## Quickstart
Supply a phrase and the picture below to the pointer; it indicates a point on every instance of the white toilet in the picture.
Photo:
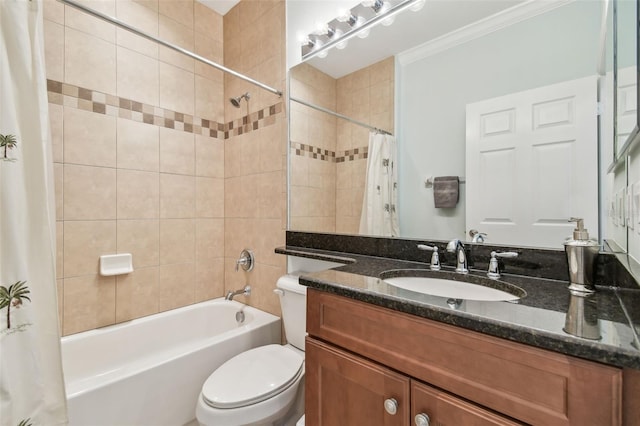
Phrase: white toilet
(260, 386)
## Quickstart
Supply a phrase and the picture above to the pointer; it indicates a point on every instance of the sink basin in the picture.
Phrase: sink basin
(447, 284)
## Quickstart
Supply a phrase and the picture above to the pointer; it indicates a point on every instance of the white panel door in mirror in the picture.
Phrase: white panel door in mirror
(518, 189)
(627, 105)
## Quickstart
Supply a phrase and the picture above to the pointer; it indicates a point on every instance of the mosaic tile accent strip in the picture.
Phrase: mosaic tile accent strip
(311, 151)
(102, 103)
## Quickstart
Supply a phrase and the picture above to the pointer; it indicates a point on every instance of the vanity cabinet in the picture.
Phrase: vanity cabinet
(360, 356)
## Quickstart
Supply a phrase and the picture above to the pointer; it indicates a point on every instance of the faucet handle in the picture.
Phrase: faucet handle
(435, 258)
(246, 260)
(494, 268)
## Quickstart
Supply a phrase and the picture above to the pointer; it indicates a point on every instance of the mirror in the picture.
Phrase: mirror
(490, 52)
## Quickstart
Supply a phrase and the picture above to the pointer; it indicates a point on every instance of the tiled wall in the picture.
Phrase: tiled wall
(328, 155)
(255, 161)
(139, 134)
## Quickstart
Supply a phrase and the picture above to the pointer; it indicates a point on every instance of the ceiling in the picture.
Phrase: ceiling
(220, 6)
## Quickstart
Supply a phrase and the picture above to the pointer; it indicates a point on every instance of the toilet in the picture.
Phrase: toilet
(260, 386)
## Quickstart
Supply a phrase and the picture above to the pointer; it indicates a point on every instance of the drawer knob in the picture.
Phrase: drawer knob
(422, 419)
(391, 406)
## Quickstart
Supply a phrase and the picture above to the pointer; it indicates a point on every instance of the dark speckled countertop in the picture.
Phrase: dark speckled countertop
(538, 319)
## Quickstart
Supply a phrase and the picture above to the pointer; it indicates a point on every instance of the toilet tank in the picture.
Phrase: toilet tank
(293, 301)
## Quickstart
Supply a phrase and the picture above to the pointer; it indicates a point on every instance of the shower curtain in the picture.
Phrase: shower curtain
(379, 216)
(31, 381)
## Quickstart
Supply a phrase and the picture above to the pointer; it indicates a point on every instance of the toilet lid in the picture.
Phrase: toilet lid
(252, 376)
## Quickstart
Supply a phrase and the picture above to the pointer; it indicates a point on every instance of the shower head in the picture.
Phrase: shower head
(236, 101)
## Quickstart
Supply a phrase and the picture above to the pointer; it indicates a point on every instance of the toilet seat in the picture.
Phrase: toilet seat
(252, 376)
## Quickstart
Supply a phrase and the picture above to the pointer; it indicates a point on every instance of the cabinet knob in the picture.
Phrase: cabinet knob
(391, 406)
(422, 419)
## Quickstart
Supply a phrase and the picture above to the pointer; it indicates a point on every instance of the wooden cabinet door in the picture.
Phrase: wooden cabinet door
(343, 390)
(443, 409)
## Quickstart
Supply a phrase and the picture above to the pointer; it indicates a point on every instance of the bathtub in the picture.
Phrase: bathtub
(149, 371)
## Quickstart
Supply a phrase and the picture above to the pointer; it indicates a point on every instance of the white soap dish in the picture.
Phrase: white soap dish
(116, 264)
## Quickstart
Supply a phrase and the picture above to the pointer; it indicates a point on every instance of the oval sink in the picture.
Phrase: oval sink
(447, 284)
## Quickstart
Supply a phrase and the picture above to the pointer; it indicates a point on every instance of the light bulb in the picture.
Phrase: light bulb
(418, 5)
(322, 54)
(342, 44)
(364, 33)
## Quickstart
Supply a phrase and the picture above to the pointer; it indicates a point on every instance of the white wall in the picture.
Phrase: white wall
(557, 46)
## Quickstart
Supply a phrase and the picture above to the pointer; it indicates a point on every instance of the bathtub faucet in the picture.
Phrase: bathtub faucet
(246, 291)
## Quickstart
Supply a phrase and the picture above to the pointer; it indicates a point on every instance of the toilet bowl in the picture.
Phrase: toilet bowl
(261, 385)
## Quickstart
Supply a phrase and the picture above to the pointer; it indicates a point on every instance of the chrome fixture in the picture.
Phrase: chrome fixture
(476, 236)
(240, 317)
(456, 246)
(246, 260)
(236, 101)
(454, 303)
(355, 22)
(422, 419)
(435, 258)
(246, 291)
(494, 268)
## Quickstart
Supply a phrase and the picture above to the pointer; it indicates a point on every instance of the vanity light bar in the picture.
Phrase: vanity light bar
(361, 18)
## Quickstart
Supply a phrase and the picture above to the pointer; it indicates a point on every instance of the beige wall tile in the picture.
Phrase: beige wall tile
(54, 50)
(208, 22)
(271, 194)
(143, 18)
(177, 196)
(209, 97)
(177, 286)
(179, 34)
(58, 172)
(177, 241)
(209, 197)
(60, 294)
(177, 152)
(209, 157)
(56, 123)
(138, 194)
(141, 238)
(179, 10)
(209, 279)
(240, 198)
(268, 235)
(137, 294)
(89, 193)
(262, 295)
(209, 239)
(138, 146)
(137, 76)
(79, 20)
(210, 49)
(89, 138)
(54, 11)
(176, 89)
(59, 249)
(89, 302)
(84, 243)
(89, 62)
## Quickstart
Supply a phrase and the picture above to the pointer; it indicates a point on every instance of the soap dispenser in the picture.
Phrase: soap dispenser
(581, 256)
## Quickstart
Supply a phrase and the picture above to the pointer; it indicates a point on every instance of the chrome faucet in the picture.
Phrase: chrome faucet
(476, 236)
(456, 246)
(435, 259)
(246, 291)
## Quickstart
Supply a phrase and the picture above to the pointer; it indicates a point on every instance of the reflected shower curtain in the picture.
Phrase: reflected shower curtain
(31, 380)
(379, 216)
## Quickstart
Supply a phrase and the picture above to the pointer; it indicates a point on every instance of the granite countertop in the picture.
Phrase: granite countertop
(537, 319)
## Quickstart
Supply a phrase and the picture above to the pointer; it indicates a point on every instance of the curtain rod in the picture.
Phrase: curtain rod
(344, 117)
(195, 56)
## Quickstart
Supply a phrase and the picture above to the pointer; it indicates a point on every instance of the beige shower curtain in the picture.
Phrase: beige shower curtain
(31, 380)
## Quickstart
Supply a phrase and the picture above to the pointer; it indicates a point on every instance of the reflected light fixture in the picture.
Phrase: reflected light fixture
(355, 22)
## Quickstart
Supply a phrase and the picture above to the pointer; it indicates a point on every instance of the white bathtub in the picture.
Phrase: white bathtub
(149, 371)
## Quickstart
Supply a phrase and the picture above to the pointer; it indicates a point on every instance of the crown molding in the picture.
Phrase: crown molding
(480, 28)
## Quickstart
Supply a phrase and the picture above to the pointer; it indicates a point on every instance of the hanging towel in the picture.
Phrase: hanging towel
(446, 191)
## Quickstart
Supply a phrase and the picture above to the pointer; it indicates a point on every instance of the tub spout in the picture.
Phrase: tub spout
(246, 291)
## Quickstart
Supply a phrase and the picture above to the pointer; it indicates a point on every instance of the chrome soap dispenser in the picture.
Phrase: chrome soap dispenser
(581, 256)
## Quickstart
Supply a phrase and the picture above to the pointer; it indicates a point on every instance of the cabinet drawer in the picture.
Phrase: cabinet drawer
(444, 409)
(529, 384)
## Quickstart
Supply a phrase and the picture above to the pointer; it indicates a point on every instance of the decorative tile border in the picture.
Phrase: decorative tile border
(311, 151)
(102, 103)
